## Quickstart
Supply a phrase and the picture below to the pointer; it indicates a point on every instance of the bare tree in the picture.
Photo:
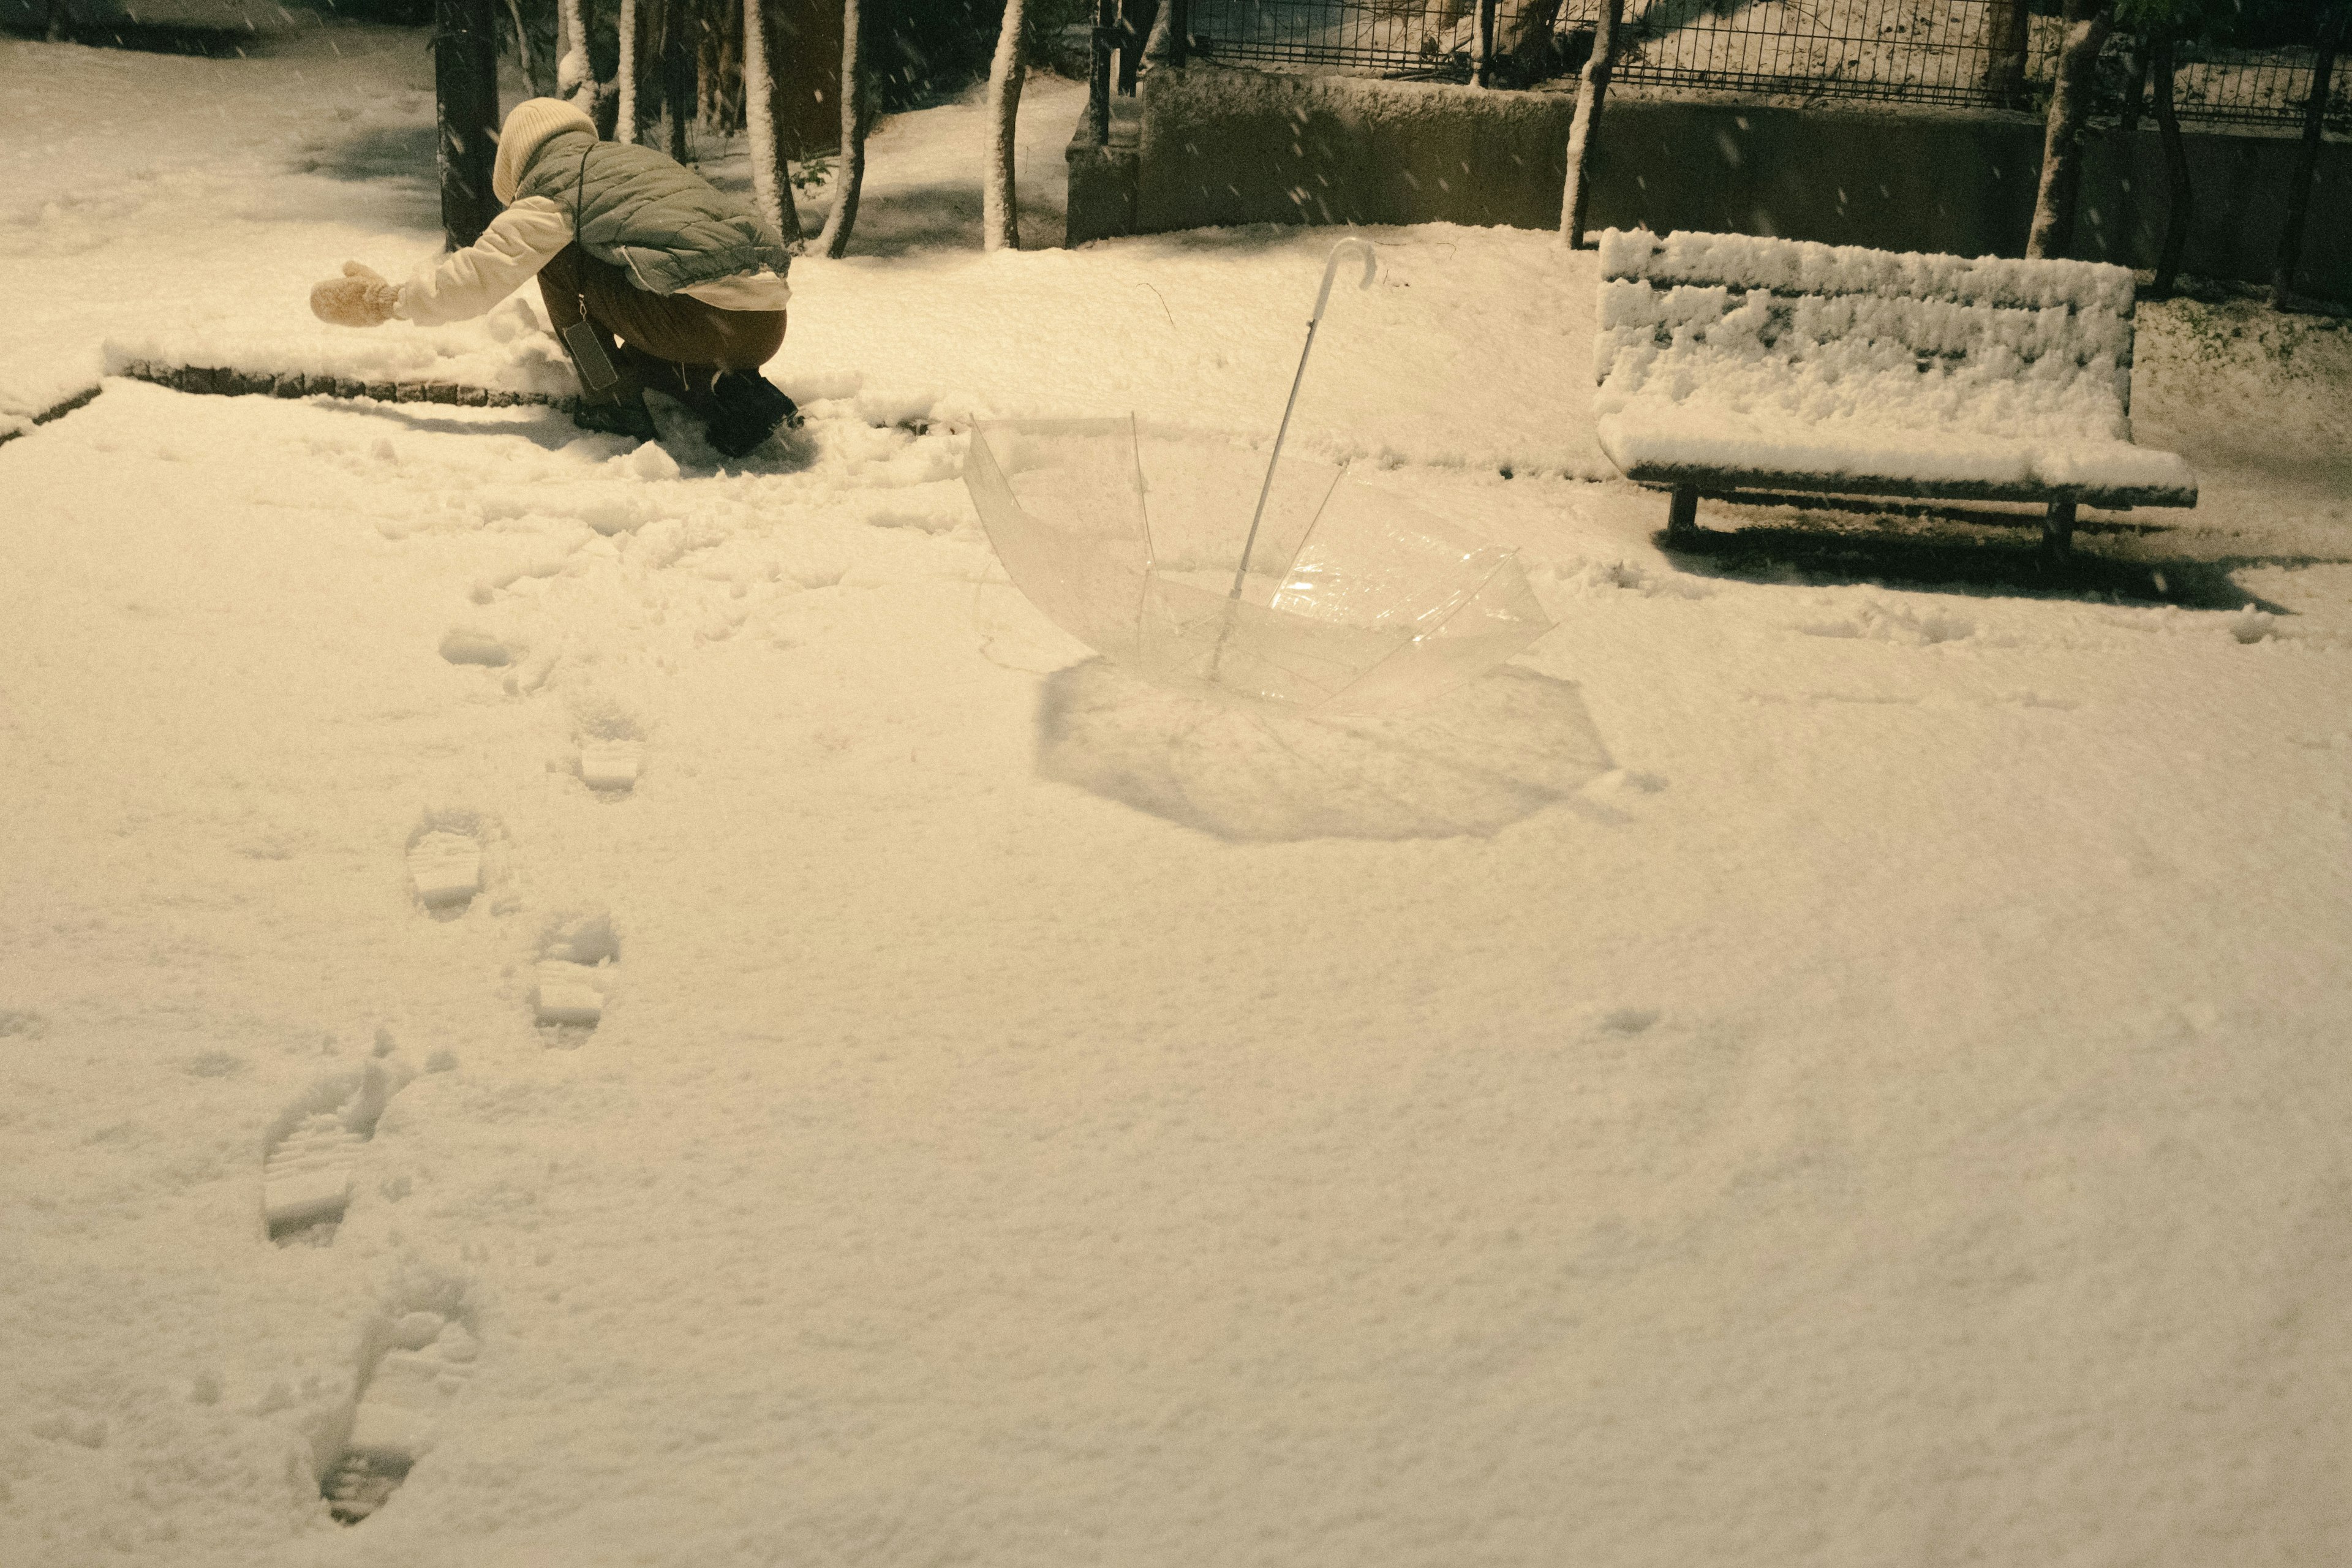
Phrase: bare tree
(2006, 31)
(856, 115)
(1590, 90)
(2315, 117)
(1522, 47)
(2087, 22)
(624, 124)
(466, 95)
(2178, 196)
(574, 79)
(674, 27)
(772, 180)
(1000, 214)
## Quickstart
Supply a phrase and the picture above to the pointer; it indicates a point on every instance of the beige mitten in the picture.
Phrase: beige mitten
(359, 298)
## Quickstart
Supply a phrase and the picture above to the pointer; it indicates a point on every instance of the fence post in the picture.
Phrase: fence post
(1590, 91)
(1483, 72)
(1179, 30)
(2306, 165)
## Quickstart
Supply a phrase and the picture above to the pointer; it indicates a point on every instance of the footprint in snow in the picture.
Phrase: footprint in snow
(610, 767)
(444, 863)
(311, 1152)
(470, 645)
(415, 1361)
(575, 977)
(612, 746)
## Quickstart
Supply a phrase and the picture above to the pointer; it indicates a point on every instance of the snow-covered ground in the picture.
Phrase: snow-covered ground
(812, 1068)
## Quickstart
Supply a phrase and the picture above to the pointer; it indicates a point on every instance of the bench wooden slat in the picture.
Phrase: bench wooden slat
(1728, 482)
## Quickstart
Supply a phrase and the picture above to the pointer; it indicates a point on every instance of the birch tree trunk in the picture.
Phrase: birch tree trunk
(849, 176)
(771, 181)
(1590, 90)
(1000, 211)
(624, 124)
(573, 80)
(2062, 153)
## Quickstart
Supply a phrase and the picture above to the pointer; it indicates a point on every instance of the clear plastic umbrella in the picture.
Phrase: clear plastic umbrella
(1328, 596)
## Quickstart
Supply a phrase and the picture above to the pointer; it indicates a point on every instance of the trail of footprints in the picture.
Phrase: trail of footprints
(417, 1355)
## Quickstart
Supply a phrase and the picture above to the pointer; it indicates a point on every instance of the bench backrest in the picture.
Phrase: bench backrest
(1675, 304)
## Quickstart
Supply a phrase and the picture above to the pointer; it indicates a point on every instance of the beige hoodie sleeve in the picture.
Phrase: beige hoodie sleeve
(518, 242)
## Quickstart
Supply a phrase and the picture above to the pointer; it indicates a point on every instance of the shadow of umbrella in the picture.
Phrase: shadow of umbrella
(1500, 750)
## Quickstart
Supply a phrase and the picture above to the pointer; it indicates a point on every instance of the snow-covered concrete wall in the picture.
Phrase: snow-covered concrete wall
(1218, 146)
(1259, 146)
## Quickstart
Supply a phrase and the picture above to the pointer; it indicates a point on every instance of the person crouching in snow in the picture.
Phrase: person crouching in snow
(626, 244)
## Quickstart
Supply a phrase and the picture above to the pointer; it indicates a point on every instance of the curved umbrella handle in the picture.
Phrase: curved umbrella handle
(1331, 269)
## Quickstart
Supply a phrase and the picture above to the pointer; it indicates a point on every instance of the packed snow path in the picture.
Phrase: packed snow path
(1795, 1068)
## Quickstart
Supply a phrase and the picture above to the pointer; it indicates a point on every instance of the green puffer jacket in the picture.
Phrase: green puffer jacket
(666, 224)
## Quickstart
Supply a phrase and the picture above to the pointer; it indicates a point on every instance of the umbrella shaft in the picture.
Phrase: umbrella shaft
(1242, 572)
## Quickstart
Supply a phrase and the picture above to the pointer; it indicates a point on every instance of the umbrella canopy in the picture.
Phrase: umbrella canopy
(1330, 595)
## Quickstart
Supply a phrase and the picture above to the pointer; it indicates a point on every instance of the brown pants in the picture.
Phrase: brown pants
(675, 342)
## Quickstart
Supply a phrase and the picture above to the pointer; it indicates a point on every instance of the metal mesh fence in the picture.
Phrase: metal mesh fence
(1961, 53)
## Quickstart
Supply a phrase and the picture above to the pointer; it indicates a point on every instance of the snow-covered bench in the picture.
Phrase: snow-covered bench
(1729, 362)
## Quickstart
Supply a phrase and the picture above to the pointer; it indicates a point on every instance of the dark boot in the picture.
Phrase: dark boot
(625, 414)
(750, 408)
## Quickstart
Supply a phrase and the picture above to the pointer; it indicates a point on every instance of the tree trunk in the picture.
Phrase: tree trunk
(677, 77)
(1523, 43)
(1136, 20)
(624, 123)
(574, 81)
(1591, 89)
(2136, 86)
(522, 45)
(2062, 153)
(2007, 26)
(999, 209)
(856, 114)
(2299, 196)
(2178, 194)
(772, 180)
(466, 93)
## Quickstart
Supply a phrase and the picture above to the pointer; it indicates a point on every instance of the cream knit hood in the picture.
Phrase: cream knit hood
(533, 122)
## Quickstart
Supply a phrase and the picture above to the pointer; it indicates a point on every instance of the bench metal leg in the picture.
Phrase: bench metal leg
(2058, 532)
(1681, 513)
